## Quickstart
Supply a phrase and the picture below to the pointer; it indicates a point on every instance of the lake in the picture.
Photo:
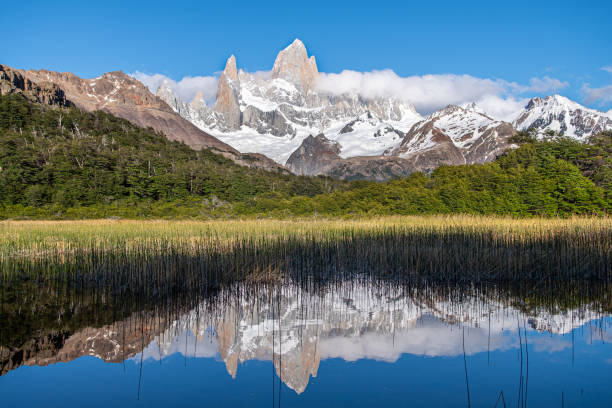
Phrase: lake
(361, 341)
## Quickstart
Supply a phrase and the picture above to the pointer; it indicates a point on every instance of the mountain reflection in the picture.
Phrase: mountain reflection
(296, 327)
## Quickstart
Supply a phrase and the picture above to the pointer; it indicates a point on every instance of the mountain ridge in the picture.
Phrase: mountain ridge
(274, 114)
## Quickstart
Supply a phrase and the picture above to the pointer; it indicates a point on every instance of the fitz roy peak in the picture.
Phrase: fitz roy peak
(284, 115)
(293, 65)
(273, 113)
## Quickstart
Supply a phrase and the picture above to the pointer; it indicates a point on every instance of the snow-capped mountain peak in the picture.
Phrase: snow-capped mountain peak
(472, 106)
(561, 115)
(468, 133)
(231, 69)
(272, 113)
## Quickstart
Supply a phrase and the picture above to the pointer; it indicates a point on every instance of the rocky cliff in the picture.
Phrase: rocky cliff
(13, 81)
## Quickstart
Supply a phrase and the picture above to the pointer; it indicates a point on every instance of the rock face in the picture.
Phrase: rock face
(227, 103)
(316, 155)
(293, 65)
(561, 115)
(12, 81)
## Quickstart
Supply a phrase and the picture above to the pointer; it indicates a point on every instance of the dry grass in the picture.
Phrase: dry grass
(457, 247)
(30, 237)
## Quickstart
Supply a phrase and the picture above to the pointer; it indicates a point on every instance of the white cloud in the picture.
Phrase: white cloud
(427, 92)
(500, 98)
(501, 108)
(185, 89)
(601, 95)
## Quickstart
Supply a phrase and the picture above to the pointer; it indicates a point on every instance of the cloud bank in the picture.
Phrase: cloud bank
(428, 93)
(499, 98)
(185, 89)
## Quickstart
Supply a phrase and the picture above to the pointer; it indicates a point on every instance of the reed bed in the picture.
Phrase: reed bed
(439, 248)
(29, 238)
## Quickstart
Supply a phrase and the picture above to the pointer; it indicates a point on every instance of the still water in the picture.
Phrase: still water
(351, 343)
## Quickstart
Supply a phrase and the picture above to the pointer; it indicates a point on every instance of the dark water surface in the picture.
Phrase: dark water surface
(359, 342)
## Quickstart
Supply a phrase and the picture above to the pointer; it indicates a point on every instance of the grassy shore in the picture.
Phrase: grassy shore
(23, 236)
(448, 248)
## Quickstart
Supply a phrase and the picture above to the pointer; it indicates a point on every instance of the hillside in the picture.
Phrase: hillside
(124, 97)
(65, 157)
(61, 162)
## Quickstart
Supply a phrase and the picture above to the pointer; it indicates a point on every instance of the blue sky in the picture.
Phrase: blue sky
(567, 41)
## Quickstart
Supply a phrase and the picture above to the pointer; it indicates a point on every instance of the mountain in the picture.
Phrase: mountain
(464, 132)
(284, 115)
(559, 114)
(283, 118)
(273, 113)
(124, 97)
(454, 135)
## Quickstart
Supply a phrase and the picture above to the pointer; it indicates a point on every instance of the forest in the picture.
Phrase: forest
(61, 163)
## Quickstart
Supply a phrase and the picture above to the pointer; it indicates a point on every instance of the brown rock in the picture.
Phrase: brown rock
(13, 81)
(228, 97)
(293, 65)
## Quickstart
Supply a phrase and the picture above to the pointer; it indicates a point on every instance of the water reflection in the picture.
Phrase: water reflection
(297, 327)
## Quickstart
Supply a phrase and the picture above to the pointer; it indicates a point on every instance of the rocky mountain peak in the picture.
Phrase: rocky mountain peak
(228, 96)
(553, 101)
(473, 107)
(198, 101)
(314, 154)
(231, 71)
(447, 110)
(294, 65)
